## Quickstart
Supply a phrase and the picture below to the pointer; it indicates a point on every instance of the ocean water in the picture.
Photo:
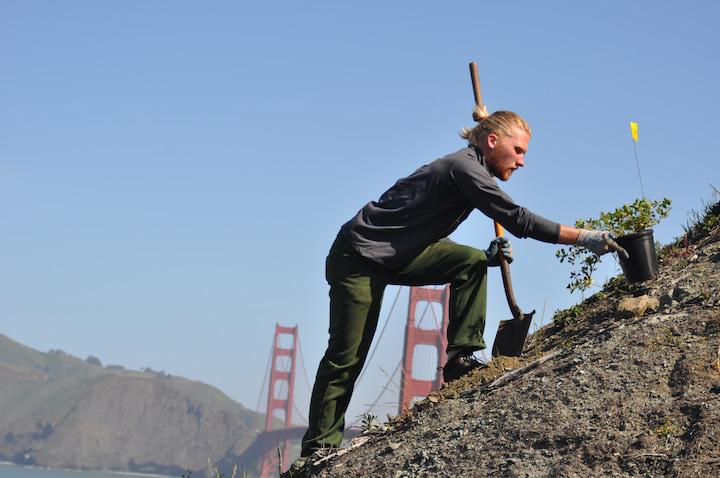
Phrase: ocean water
(12, 471)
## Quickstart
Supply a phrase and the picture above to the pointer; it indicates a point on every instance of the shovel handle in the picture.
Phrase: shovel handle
(507, 280)
(504, 267)
(499, 231)
(476, 84)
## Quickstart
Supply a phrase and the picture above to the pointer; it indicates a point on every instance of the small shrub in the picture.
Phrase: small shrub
(627, 219)
(370, 423)
(667, 429)
(701, 223)
(630, 218)
(564, 318)
(585, 263)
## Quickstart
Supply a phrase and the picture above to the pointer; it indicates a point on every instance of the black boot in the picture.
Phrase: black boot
(459, 365)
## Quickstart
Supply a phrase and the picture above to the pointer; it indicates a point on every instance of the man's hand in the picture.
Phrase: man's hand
(497, 246)
(599, 242)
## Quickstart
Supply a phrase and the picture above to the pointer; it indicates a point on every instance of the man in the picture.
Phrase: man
(402, 239)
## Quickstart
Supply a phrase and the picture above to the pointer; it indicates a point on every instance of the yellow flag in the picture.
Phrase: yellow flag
(633, 130)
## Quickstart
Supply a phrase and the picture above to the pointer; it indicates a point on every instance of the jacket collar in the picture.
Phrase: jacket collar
(475, 153)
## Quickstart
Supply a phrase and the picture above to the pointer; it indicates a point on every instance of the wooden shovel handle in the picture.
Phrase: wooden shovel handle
(507, 280)
(504, 267)
(476, 84)
(498, 229)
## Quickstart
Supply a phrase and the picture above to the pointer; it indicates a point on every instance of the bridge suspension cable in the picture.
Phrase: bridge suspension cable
(382, 392)
(302, 417)
(262, 387)
(377, 343)
(424, 363)
(302, 362)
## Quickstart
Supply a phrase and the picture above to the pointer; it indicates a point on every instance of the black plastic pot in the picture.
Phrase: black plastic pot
(642, 264)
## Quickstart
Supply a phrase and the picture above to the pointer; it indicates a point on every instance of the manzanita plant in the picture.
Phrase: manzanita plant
(627, 219)
(630, 218)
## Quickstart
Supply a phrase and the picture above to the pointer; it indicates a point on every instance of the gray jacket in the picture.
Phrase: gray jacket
(431, 203)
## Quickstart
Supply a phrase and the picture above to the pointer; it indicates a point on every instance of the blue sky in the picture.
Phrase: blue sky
(172, 173)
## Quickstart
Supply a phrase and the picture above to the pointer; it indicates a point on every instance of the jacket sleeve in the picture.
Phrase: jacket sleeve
(478, 187)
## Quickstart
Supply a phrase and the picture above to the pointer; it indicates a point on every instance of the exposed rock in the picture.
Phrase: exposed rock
(636, 306)
(665, 300)
(679, 294)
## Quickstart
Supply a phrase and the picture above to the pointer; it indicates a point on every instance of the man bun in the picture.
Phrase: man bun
(480, 113)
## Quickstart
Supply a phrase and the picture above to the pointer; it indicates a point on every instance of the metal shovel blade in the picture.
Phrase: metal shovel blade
(511, 335)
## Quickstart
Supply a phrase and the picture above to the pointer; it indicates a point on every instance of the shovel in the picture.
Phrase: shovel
(511, 334)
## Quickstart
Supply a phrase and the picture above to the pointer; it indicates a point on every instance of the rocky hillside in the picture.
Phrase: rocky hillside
(625, 384)
(62, 412)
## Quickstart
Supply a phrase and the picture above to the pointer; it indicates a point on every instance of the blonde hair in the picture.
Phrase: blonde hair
(500, 122)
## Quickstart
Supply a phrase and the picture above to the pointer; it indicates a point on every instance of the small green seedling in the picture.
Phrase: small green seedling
(627, 219)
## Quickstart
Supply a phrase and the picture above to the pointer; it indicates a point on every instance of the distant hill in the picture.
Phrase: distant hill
(59, 411)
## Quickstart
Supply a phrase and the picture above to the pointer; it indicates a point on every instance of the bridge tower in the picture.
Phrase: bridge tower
(280, 377)
(414, 336)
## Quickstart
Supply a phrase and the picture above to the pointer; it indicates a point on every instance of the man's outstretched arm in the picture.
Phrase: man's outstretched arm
(598, 242)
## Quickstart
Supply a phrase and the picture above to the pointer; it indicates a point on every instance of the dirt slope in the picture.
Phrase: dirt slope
(619, 394)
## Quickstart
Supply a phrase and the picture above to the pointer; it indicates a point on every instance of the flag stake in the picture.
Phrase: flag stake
(634, 134)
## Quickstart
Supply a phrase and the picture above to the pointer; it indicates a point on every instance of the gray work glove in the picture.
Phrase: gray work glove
(498, 245)
(599, 242)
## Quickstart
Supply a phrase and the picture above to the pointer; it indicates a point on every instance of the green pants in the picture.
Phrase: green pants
(356, 291)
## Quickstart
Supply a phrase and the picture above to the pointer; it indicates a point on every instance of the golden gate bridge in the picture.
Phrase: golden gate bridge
(423, 337)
